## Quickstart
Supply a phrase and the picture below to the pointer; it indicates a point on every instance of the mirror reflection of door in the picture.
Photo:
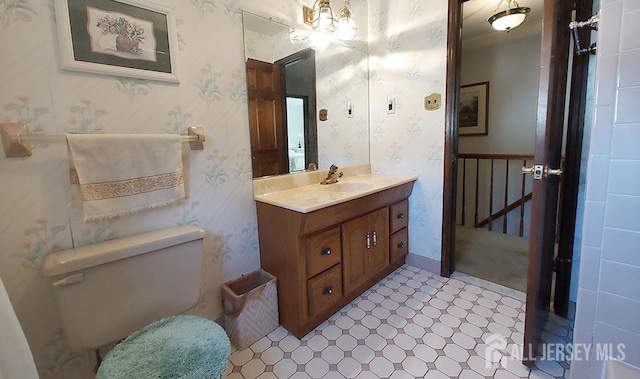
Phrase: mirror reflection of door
(265, 118)
(272, 90)
(298, 73)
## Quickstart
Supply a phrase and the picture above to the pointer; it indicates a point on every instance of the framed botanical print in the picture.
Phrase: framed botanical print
(132, 38)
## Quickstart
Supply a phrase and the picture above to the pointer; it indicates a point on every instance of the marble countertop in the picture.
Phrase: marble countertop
(308, 198)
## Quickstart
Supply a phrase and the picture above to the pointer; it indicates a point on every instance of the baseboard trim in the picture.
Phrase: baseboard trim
(423, 262)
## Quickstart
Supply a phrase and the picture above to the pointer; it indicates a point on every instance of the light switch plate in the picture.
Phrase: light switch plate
(432, 101)
(349, 110)
(391, 105)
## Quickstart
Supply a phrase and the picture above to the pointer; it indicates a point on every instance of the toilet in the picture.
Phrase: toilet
(131, 287)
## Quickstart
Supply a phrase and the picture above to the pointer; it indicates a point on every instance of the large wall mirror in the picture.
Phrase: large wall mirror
(289, 86)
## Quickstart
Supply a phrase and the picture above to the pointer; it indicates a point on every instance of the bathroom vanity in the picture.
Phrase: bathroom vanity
(327, 244)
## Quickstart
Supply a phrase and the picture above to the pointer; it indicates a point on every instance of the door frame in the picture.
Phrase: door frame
(452, 98)
(311, 124)
(574, 144)
(574, 139)
(573, 157)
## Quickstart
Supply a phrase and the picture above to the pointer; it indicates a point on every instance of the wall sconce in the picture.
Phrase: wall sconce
(510, 18)
(326, 26)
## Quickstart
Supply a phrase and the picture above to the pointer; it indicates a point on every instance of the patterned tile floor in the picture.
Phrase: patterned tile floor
(412, 324)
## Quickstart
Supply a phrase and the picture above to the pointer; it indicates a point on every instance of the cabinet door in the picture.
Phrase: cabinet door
(355, 234)
(377, 257)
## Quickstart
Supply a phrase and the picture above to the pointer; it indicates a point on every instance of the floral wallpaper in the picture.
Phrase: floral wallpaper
(40, 211)
(407, 48)
(342, 78)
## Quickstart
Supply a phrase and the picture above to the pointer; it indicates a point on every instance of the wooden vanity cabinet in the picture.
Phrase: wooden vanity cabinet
(366, 246)
(325, 258)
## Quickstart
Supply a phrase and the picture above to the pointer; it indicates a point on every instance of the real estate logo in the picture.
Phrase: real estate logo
(498, 347)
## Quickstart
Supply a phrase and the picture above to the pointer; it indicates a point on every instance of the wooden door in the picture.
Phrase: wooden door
(548, 152)
(377, 257)
(356, 237)
(268, 147)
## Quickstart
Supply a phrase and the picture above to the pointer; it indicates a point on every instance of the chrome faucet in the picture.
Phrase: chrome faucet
(333, 175)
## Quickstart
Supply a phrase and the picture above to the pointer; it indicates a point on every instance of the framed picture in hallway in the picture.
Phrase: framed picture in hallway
(473, 110)
(130, 38)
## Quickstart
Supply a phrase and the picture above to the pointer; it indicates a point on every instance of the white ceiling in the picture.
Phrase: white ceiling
(476, 12)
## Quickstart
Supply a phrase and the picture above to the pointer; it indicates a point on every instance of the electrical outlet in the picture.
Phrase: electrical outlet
(432, 101)
(391, 105)
(349, 110)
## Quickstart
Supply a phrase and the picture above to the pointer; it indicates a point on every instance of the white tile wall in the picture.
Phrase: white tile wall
(629, 73)
(624, 141)
(628, 100)
(608, 300)
(616, 278)
(590, 269)
(609, 334)
(620, 180)
(593, 222)
(630, 30)
(601, 130)
(622, 212)
(621, 246)
(607, 312)
(598, 168)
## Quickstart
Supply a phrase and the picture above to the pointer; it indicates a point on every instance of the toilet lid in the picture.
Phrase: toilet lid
(175, 347)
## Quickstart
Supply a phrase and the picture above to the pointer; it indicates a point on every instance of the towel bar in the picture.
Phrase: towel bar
(16, 139)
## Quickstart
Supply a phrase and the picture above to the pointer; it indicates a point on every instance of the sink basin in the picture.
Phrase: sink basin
(348, 186)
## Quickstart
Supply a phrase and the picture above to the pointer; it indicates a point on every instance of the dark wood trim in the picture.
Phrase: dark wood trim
(491, 196)
(281, 64)
(496, 156)
(505, 205)
(554, 57)
(452, 95)
(571, 171)
(505, 210)
(311, 131)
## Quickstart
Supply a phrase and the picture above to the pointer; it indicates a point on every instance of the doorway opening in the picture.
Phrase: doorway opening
(559, 100)
(499, 75)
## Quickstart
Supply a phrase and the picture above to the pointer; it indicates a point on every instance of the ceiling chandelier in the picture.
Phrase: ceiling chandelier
(509, 18)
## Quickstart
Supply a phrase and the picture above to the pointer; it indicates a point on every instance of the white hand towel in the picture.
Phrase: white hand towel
(125, 173)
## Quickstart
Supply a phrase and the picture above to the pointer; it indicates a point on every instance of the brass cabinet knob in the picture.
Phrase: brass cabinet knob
(401, 245)
(401, 215)
(326, 251)
(328, 290)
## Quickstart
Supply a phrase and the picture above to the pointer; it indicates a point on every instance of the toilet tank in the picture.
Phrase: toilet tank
(108, 290)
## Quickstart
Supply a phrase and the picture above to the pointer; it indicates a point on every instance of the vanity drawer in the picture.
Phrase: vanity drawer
(398, 245)
(399, 216)
(323, 251)
(324, 290)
